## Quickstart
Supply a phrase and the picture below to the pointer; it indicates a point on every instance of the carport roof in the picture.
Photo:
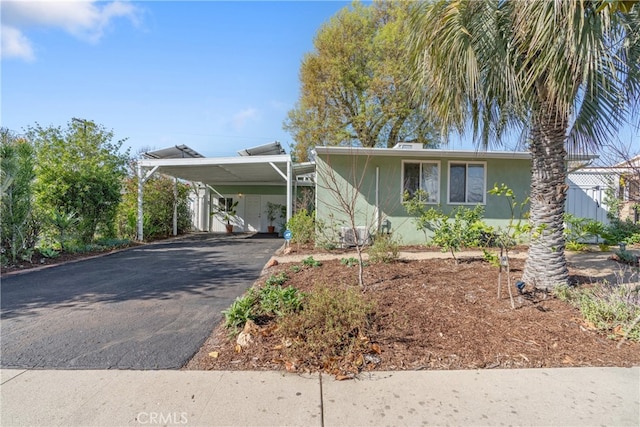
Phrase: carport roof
(175, 152)
(242, 170)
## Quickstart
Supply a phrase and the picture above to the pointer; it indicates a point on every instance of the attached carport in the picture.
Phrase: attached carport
(265, 165)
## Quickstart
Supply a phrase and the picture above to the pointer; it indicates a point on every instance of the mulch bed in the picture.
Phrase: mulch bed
(436, 314)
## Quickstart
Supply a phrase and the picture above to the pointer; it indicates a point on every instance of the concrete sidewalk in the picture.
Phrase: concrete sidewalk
(570, 396)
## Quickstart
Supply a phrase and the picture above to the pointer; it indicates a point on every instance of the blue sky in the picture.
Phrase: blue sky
(217, 76)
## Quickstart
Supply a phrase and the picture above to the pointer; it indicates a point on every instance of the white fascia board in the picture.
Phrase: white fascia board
(395, 152)
(284, 158)
(437, 153)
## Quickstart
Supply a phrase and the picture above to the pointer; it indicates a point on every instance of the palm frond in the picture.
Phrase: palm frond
(459, 54)
(492, 63)
(585, 59)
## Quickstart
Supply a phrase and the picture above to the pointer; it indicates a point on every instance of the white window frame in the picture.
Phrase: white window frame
(421, 162)
(484, 182)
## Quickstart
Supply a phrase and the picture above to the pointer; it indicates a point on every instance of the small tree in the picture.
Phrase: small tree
(464, 228)
(19, 226)
(274, 212)
(507, 237)
(226, 212)
(79, 170)
(343, 198)
(63, 224)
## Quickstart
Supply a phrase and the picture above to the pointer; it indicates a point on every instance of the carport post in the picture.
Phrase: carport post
(175, 206)
(140, 187)
(289, 198)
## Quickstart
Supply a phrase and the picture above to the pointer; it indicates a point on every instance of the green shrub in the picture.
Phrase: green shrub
(464, 228)
(574, 246)
(302, 227)
(113, 243)
(491, 257)
(329, 327)
(48, 252)
(241, 310)
(349, 262)
(276, 300)
(608, 307)
(295, 268)
(279, 279)
(158, 203)
(269, 300)
(384, 249)
(19, 224)
(65, 226)
(563, 292)
(329, 246)
(611, 307)
(90, 247)
(79, 170)
(506, 237)
(627, 257)
(633, 239)
(622, 231)
(580, 230)
(310, 262)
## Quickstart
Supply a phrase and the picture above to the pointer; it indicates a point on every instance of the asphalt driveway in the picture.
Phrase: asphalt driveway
(149, 307)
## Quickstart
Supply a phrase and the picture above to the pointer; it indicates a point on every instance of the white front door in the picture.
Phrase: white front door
(252, 213)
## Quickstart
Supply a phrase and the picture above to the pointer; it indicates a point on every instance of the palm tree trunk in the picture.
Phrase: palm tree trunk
(546, 265)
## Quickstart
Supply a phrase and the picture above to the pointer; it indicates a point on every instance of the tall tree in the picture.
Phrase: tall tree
(354, 85)
(565, 72)
(18, 223)
(79, 172)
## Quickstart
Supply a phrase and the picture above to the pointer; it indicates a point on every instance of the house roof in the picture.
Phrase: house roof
(398, 152)
(438, 153)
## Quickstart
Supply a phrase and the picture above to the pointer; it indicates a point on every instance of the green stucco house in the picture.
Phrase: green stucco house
(370, 183)
(367, 184)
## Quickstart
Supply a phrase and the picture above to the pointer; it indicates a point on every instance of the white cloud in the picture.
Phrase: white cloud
(240, 119)
(86, 20)
(15, 44)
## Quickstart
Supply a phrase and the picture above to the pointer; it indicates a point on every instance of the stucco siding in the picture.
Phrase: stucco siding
(342, 178)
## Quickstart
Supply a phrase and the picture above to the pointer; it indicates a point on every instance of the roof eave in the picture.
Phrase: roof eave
(475, 154)
(391, 152)
(284, 158)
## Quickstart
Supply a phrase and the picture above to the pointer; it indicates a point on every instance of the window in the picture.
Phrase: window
(423, 176)
(467, 183)
(225, 204)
